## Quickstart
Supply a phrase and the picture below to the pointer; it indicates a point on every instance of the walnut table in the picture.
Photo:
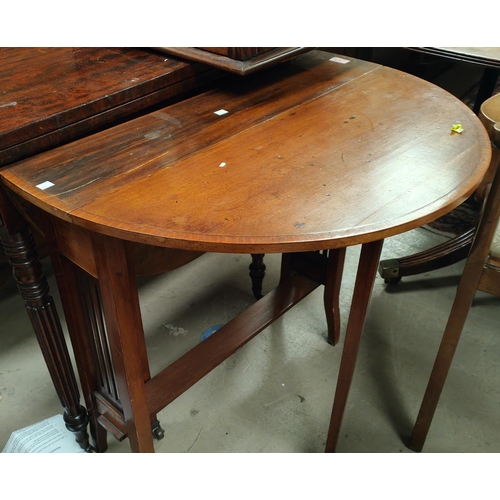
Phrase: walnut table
(327, 154)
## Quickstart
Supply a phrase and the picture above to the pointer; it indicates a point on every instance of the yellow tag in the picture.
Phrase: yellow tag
(457, 127)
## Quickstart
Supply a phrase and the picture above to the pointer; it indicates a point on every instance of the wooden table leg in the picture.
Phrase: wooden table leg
(327, 268)
(122, 315)
(19, 247)
(367, 270)
(75, 311)
(257, 274)
(331, 296)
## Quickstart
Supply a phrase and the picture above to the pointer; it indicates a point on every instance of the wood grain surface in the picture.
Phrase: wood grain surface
(312, 154)
(53, 95)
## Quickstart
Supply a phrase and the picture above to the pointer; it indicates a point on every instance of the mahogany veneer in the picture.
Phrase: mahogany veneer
(51, 96)
(457, 248)
(311, 157)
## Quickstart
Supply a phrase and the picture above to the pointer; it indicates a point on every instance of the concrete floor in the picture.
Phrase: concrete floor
(275, 394)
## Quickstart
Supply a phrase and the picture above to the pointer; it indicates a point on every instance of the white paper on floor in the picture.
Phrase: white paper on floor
(47, 436)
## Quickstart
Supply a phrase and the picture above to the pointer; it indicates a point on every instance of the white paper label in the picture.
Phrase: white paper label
(45, 185)
(339, 60)
(221, 112)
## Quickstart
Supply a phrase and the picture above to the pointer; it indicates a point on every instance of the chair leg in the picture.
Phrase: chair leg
(443, 255)
(458, 315)
(460, 309)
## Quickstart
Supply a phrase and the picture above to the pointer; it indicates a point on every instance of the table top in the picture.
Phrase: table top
(317, 153)
(483, 56)
(53, 95)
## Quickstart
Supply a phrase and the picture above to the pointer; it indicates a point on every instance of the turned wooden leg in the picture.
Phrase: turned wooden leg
(122, 315)
(367, 270)
(257, 273)
(76, 313)
(19, 247)
(331, 297)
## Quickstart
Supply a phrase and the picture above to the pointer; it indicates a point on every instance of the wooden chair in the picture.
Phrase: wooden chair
(481, 272)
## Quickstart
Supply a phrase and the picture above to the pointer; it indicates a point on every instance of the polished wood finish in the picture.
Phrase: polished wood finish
(273, 120)
(19, 246)
(239, 60)
(312, 157)
(442, 255)
(477, 275)
(183, 373)
(458, 248)
(55, 95)
(51, 96)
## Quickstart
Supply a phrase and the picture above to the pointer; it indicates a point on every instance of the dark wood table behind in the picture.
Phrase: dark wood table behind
(51, 96)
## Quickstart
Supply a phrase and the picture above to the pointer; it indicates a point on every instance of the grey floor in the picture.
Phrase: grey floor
(275, 394)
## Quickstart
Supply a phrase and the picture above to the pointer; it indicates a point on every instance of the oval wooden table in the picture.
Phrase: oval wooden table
(356, 153)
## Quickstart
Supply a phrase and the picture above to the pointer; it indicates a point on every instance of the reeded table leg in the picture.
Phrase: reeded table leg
(367, 270)
(19, 247)
(76, 313)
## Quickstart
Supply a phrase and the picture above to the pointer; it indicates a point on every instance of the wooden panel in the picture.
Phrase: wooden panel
(239, 53)
(75, 244)
(228, 62)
